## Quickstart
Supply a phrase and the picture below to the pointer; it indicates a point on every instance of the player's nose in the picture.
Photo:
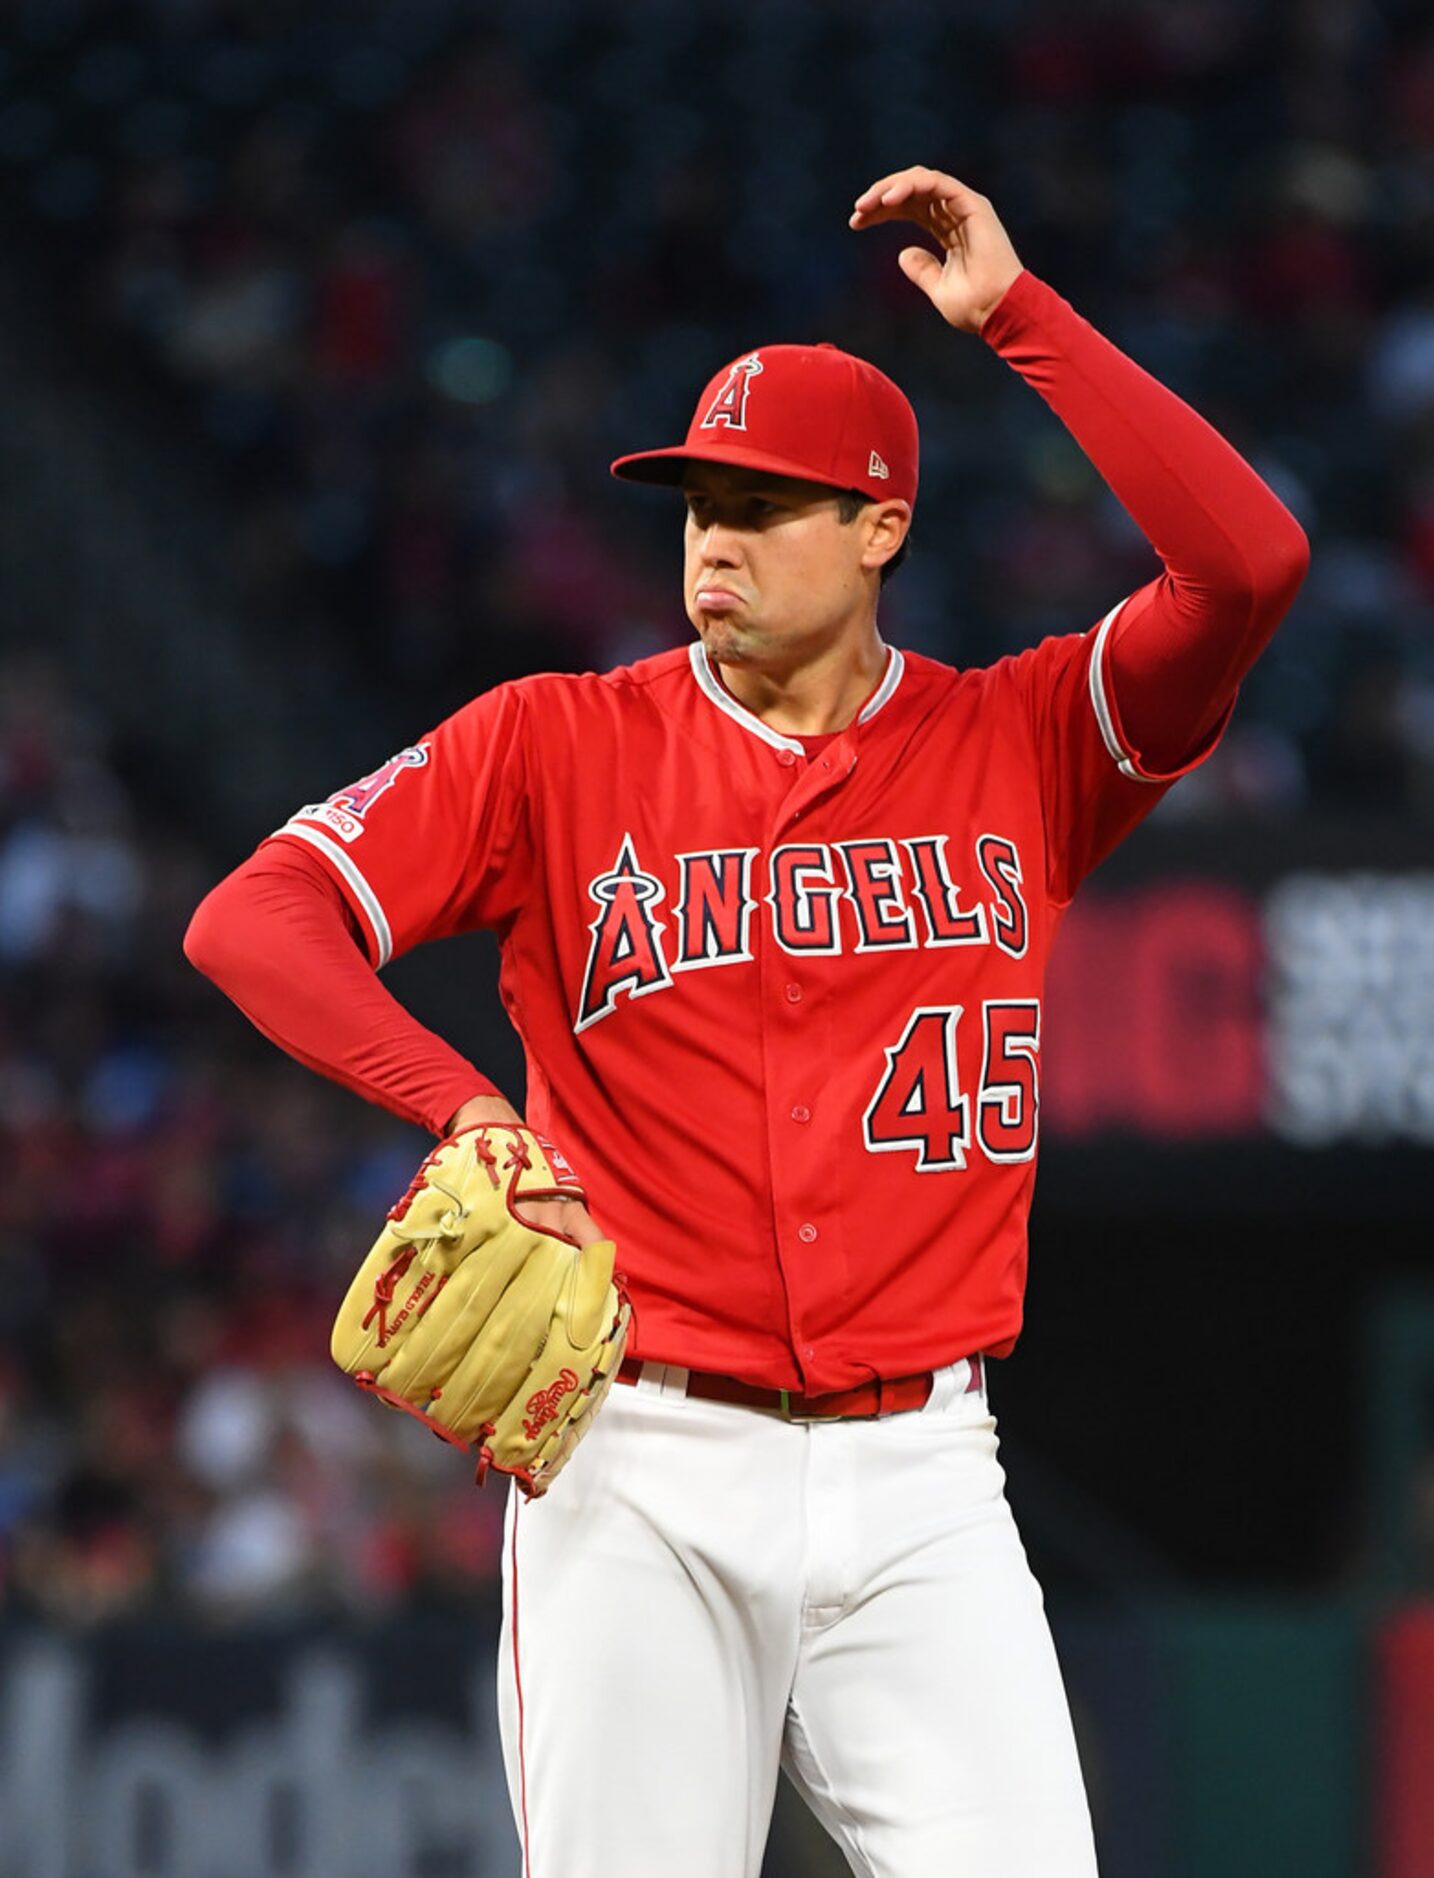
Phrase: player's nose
(718, 545)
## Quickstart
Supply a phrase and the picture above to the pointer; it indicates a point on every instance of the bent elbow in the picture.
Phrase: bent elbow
(1284, 562)
(205, 936)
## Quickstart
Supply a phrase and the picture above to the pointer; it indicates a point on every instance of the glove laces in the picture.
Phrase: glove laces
(384, 1287)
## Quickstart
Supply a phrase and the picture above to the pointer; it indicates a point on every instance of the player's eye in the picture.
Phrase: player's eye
(747, 510)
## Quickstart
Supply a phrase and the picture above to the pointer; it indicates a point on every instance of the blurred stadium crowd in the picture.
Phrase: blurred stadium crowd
(178, 1215)
(409, 276)
(419, 271)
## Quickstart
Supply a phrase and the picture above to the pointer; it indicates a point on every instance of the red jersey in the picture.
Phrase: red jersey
(784, 1012)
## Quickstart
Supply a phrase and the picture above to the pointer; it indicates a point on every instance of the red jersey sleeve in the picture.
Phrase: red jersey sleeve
(1121, 712)
(437, 840)
(279, 937)
(1094, 785)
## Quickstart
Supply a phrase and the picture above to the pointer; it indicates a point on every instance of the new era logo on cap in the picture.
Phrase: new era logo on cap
(813, 412)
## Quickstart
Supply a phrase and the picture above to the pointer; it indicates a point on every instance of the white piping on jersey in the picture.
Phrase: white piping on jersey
(363, 893)
(713, 688)
(896, 665)
(1101, 703)
(708, 681)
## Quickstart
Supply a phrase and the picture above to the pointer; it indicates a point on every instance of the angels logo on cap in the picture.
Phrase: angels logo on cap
(818, 413)
(729, 407)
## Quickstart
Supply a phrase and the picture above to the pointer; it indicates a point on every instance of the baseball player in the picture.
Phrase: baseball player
(774, 911)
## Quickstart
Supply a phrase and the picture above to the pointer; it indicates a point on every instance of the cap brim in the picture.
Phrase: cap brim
(664, 467)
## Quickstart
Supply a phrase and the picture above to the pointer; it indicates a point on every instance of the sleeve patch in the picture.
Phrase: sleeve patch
(358, 798)
(338, 821)
(342, 816)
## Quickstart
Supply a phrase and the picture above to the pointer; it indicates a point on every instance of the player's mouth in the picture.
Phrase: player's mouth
(716, 600)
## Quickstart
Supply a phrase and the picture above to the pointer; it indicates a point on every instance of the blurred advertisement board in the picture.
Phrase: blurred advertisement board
(1254, 1009)
(168, 1754)
(1192, 1007)
(1218, 1739)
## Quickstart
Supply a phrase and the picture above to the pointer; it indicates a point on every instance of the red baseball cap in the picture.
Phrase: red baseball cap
(810, 411)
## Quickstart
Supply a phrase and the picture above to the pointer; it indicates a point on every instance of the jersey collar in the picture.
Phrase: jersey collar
(712, 688)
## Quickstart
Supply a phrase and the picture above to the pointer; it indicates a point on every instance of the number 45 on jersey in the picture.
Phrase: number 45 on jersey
(919, 1106)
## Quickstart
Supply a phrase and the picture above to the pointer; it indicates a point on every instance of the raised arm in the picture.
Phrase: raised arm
(1233, 554)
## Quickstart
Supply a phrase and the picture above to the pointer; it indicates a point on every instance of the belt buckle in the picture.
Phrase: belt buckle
(806, 1421)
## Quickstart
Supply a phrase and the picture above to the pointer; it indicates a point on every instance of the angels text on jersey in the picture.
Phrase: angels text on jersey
(819, 898)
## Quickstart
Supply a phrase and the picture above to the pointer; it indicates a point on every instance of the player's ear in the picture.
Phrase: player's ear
(886, 525)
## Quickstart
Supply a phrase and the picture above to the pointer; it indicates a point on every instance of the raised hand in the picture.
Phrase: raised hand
(977, 263)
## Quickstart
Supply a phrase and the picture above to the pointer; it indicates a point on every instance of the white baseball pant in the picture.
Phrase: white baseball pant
(709, 1591)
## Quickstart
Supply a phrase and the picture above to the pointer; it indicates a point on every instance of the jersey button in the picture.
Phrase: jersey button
(807, 1233)
(801, 1113)
(786, 758)
(794, 994)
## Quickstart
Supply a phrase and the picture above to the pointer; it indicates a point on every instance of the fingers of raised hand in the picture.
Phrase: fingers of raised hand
(898, 185)
(926, 196)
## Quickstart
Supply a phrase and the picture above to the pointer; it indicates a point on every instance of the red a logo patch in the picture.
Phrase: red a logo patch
(729, 407)
(360, 797)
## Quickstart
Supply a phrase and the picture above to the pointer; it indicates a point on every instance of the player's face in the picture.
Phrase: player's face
(770, 567)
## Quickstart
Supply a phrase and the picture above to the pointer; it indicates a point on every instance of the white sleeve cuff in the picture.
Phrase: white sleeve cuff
(1124, 759)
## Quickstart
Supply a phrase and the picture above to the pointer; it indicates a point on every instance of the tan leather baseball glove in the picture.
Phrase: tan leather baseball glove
(499, 1336)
